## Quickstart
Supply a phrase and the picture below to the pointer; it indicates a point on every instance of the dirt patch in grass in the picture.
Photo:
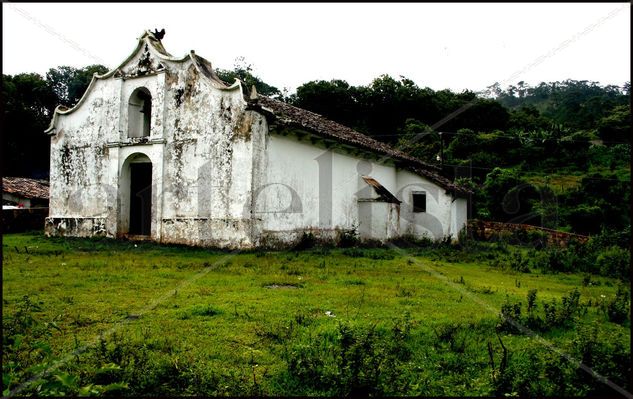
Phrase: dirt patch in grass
(281, 286)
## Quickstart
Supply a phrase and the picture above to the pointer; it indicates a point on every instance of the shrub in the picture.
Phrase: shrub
(557, 260)
(521, 376)
(570, 305)
(26, 353)
(453, 335)
(586, 219)
(608, 238)
(557, 314)
(533, 321)
(412, 241)
(605, 354)
(579, 258)
(510, 315)
(348, 238)
(535, 372)
(531, 300)
(381, 255)
(519, 263)
(553, 260)
(353, 252)
(307, 240)
(563, 314)
(618, 308)
(614, 262)
(351, 360)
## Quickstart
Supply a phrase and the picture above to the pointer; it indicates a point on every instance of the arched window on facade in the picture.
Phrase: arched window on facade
(139, 113)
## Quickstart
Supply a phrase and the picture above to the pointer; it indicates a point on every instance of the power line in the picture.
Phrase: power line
(490, 169)
(503, 135)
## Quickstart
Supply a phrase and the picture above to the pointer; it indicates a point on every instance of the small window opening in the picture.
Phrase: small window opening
(419, 201)
(139, 113)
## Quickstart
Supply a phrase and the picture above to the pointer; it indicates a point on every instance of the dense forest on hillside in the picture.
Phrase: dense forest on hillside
(556, 154)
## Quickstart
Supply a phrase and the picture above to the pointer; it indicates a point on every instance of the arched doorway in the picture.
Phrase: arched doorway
(141, 198)
(136, 195)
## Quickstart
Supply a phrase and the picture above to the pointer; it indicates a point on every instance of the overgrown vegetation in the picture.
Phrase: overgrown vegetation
(100, 317)
(557, 154)
(605, 254)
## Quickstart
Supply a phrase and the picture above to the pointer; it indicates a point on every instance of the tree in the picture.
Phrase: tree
(601, 201)
(526, 118)
(465, 143)
(506, 197)
(482, 115)
(387, 103)
(244, 72)
(70, 84)
(615, 126)
(29, 102)
(419, 140)
(334, 99)
(28, 105)
(575, 104)
(586, 219)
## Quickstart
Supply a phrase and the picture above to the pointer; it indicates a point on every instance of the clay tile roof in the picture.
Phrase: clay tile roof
(25, 187)
(287, 114)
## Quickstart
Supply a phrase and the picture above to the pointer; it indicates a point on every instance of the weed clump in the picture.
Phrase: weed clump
(307, 241)
(619, 308)
(349, 360)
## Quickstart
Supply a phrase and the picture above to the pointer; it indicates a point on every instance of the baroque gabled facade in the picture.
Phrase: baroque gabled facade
(160, 148)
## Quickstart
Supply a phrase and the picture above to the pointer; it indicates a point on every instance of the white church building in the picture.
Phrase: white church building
(160, 148)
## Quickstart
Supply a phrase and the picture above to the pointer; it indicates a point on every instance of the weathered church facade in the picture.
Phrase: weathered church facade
(160, 148)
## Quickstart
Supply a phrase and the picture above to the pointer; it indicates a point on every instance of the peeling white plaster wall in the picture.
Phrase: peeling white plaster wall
(80, 183)
(297, 164)
(436, 222)
(219, 177)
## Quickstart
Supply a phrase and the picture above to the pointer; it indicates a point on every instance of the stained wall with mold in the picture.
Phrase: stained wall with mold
(202, 146)
(219, 176)
(211, 145)
(82, 195)
(306, 187)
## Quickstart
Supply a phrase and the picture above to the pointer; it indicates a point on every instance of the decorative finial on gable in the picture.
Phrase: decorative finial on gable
(159, 35)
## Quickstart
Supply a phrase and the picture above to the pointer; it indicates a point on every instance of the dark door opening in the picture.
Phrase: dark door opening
(140, 198)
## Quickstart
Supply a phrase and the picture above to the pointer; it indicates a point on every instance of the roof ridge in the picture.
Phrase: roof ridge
(322, 125)
(357, 133)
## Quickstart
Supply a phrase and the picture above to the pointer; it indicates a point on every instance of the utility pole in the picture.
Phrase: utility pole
(441, 150)
(469, 214)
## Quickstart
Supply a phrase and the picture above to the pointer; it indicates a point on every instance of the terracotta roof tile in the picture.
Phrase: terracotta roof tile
(287, 114)
(25, 187)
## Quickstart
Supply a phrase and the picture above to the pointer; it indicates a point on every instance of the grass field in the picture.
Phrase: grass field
(177, 320)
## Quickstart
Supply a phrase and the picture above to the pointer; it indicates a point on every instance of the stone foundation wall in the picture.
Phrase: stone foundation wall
(487, 230)
(75, 227)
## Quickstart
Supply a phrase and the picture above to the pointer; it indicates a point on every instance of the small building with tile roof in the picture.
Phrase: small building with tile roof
(161, 148)
(24, 193)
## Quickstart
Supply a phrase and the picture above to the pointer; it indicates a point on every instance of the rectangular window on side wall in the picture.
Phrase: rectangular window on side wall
(418, 201)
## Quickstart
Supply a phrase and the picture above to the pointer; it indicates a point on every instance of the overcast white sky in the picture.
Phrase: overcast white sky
(455, 46)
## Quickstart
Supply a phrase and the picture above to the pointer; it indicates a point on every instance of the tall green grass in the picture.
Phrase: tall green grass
(145, 319)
